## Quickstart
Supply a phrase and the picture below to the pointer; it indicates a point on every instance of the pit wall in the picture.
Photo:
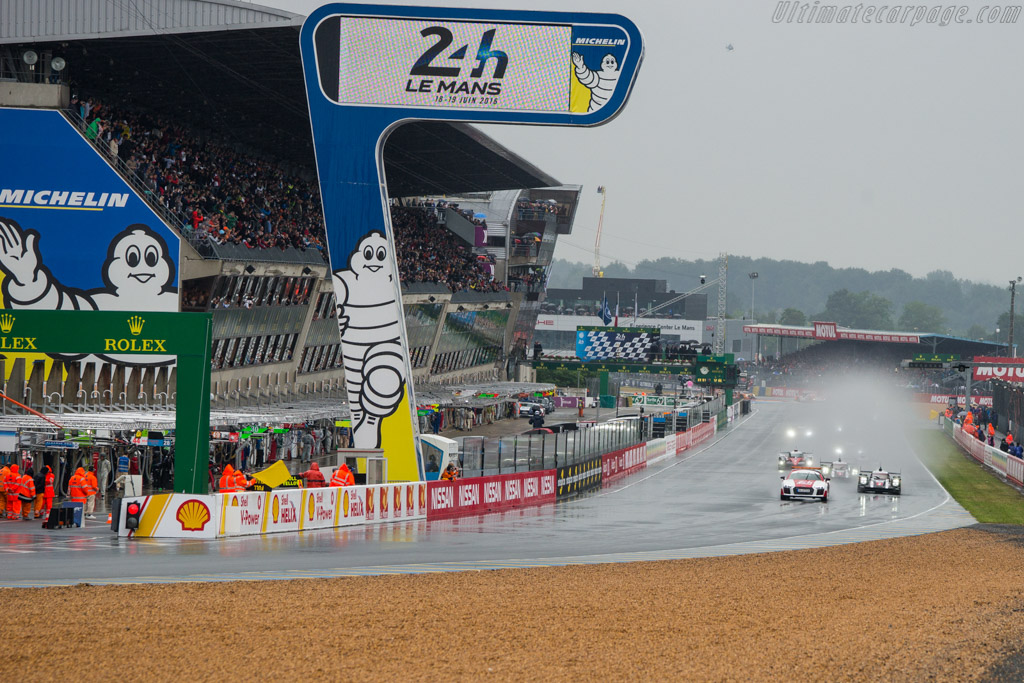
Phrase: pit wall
(482, 495)
(1004, 464)
(176, 515)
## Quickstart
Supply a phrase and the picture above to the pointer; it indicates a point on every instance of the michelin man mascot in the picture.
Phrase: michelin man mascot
(600, 83)
(137, 275)
(371, 334)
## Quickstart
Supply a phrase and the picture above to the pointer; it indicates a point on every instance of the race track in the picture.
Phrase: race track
(720, 498)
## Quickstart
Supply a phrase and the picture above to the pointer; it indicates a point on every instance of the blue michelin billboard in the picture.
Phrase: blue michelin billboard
(73, 234)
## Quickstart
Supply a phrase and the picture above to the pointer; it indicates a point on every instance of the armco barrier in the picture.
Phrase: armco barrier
(583, 476)
(263, 512)
(618, 464)
(481, 495)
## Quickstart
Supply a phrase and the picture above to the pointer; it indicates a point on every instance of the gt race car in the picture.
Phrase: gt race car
(806, 484)
(795, 458)
(880, 481)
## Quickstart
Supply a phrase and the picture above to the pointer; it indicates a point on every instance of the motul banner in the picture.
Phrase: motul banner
(944, 399)
(1009, 370)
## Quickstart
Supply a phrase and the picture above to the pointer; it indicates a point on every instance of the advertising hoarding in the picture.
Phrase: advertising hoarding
(369, 68)
(75, 236)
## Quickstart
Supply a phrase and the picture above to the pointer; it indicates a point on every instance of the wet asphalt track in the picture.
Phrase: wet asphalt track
(719, 499)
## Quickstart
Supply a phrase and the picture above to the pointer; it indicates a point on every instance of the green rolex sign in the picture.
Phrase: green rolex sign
(188, 336)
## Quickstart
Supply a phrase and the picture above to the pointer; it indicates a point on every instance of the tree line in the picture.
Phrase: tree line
(793, 293)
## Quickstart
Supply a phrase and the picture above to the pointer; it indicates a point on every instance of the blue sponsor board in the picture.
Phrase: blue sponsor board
(369, 68)
(73, 234)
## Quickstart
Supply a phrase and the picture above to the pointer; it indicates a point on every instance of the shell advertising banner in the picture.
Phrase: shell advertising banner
(326, 507)
(174, 515)
(368, 68)
(319, 507)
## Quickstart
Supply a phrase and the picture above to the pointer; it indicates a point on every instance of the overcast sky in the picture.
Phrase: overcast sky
(865, 145)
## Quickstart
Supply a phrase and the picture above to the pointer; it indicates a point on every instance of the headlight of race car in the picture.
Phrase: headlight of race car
(895, 481)
(791, 432)
(810, 461)
(863, 480)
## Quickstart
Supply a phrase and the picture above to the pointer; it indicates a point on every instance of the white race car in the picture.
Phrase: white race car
(805, 483)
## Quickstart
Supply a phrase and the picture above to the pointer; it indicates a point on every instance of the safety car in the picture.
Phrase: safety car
(879, 480)
(806, 483)
(795, 458)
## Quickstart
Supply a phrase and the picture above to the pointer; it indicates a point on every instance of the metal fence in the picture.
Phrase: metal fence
(482, 456)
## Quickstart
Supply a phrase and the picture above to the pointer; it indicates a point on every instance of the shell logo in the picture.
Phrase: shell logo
(383, 500)
(344, 504)
(423, 496)
(277, 509)
(193, 515)
(398, 499)
(408, 496)
(369, 501)
(311, 506)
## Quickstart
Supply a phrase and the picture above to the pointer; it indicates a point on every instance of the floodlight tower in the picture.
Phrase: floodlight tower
(723, 273)
(601, 190)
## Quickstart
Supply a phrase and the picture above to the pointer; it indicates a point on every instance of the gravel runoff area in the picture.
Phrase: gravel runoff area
(946, 606)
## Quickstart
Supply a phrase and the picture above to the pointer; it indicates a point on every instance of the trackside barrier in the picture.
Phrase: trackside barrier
(618, 464)
(481, 495)
(1005, 464)
(262, 512)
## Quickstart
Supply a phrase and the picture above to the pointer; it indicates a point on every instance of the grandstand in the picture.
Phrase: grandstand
(200, 106)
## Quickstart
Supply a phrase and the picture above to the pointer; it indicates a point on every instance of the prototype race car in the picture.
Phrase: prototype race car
(879, 480)
(805, 483)
(795, 458)
(837, 468)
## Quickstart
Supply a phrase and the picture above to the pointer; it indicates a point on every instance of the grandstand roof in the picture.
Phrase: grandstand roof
(60, 20)
(235, 68)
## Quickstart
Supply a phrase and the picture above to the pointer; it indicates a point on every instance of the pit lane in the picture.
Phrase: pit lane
(720, 499)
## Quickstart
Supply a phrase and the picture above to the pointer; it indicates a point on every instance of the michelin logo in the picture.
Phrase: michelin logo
(600, 41)
(12, 198)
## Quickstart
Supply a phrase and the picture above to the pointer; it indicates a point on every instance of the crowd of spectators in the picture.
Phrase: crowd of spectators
(428, 252)
(217, 192)
(531, 209)
(528, 279)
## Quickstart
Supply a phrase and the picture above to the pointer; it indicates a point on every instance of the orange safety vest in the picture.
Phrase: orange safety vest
(227, 483)
(75, 489)
(48, 491)
(240, 481)
(12, 484)
(92, 485)
(28, 488)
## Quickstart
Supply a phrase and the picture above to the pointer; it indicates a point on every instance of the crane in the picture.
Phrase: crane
(601, 190)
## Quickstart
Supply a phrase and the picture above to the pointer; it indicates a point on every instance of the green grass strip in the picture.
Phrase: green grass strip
(980, 490)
